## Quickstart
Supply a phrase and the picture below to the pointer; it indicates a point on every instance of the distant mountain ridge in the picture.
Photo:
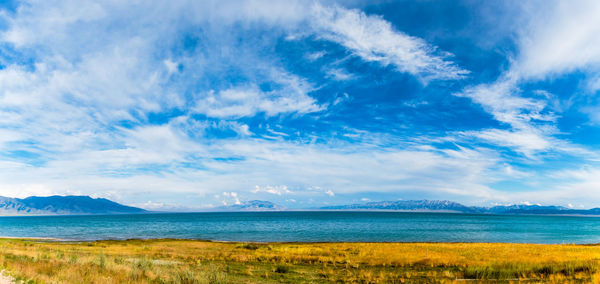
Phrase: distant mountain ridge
(85, 205)
(451, 206)
(63, 205)
(408, 205)
(252, 205)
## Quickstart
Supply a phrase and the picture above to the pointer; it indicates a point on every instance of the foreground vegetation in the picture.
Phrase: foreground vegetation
(187, 261)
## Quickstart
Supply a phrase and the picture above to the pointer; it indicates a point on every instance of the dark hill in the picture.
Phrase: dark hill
(63, 205)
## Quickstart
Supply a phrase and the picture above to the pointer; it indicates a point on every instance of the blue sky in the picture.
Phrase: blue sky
(195, 104)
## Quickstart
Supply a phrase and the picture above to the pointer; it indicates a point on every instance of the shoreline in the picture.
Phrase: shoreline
(28, 238)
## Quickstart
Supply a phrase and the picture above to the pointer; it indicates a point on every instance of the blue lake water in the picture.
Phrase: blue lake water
(311, 227)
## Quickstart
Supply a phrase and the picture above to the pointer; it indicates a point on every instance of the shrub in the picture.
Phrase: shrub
(250, 246)
(282, 269)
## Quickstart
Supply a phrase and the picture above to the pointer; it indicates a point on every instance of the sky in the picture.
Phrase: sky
(184, 105)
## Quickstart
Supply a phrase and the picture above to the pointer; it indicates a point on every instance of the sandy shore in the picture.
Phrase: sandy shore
(30, 238)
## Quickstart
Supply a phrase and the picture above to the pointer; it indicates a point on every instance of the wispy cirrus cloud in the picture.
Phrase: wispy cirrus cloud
(375, 40)
(529, 119)
(290, 96)
(545, 48)
(566, 43)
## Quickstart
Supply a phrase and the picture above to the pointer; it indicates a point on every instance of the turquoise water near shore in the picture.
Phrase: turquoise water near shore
(311, 227)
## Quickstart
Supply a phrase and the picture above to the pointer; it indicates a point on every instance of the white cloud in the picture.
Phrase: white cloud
(156, 163)
(529, 119)
(556, 39)
(561, 37)
(552, 38)
(374, 39)
(22, 190)
(340, 74)
(277, 190)
(230, 196)
(503, 101)
(528, 142)
(315, 55)
(171, 66)
(150, 205)
(250, 100)
(88, 75)
(90, 103)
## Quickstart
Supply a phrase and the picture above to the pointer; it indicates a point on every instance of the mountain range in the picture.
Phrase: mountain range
(451, 206)
(63, 205)
(408, 205)
(85, 205)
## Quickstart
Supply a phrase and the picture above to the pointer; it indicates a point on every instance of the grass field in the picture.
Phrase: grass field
(187, 261)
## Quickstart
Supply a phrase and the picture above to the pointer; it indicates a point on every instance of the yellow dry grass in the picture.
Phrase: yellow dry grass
(188, 261)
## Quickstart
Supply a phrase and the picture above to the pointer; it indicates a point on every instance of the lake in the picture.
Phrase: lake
(311, 226)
